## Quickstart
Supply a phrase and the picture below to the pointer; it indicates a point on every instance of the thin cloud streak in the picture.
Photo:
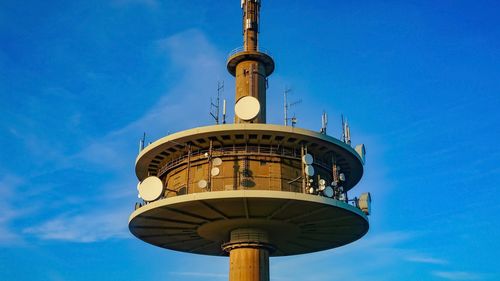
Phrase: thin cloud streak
(457, 275)
(427, 260)
(85, 228)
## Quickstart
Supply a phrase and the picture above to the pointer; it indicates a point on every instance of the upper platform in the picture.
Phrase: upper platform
(163, 153)
(240, 55)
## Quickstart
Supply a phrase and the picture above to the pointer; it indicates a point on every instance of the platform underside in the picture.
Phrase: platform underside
(296, 223)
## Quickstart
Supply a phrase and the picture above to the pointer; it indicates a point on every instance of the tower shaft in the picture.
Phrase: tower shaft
(249, 264)
(248, 255)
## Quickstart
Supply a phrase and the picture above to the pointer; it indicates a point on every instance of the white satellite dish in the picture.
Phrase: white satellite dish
(215, 171)
(328, 192)
(365, 202)
(341, 197)
(309, 170)
(217, 161)
(150, 189)
(307, 159)
(322, 184)
(202, 184)
(247, 108)
(342, 177)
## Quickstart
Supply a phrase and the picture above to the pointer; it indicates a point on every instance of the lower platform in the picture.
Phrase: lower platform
(201, 222)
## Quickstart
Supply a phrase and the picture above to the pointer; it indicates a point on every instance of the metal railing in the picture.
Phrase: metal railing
(239, 151)
(242, 49)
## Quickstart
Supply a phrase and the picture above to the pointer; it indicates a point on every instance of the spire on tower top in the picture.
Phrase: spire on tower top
(251, 11)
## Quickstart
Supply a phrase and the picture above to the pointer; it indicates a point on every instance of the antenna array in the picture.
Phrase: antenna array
(324, 122)
(287, 106)
(214, 107)
(346, 131)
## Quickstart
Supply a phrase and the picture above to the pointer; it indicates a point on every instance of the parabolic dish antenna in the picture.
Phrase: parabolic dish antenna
(217, 161)
(307, 159)
(150, 189)
(342, 177)
(328, 192)
(309, 170)
(202, 184)
(322, 184)
(247, 108)
(215, 171)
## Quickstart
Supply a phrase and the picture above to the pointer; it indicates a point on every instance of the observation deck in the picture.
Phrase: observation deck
(258, 182)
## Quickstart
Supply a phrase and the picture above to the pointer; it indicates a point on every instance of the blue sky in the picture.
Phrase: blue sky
(80, 81)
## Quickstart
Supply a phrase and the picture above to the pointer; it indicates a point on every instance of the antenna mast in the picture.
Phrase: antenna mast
(346, 131)
(287, 107)
(324, 122)
(141, 142)
(224, 111)
(285, 104)
(216, 106)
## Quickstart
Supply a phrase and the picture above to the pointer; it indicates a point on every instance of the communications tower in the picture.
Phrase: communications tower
(249, 190)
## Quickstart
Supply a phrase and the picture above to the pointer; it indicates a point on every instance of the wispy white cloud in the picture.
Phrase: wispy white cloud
(84, 228)
(457, 275)
(9, 185)
(426, 259)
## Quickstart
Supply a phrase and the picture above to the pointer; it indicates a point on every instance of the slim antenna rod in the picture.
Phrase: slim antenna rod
(285, 104)
(287, 107)
(343, 128)
(224, 111)
(324, 122)
(216, 106)
(346, 131)
(142, 141)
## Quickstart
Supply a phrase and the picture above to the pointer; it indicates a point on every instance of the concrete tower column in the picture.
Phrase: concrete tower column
(249, 251)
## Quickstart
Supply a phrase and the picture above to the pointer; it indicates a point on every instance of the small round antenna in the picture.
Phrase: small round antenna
(328, 192)
(322, 184)
(215, 171)
(307, 159)
(217, 161)
(309, 170)
(202, 184)
(342, 177)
